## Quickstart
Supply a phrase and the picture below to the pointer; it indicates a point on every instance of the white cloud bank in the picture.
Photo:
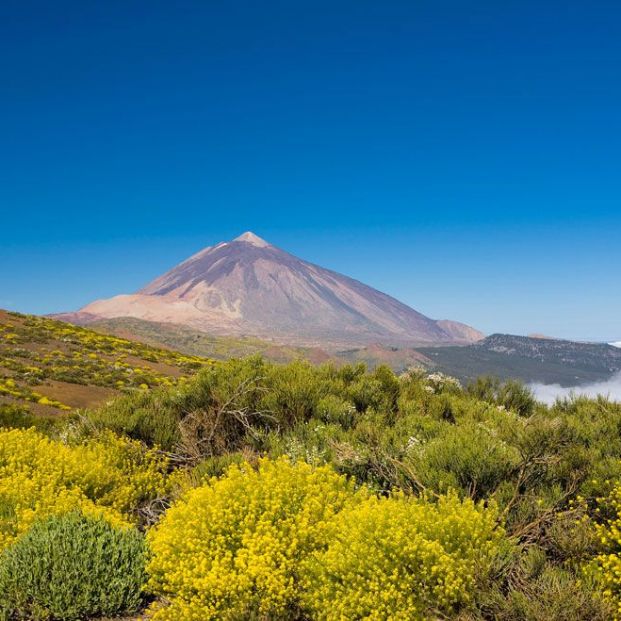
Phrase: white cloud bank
(548, 393)
(617, 344)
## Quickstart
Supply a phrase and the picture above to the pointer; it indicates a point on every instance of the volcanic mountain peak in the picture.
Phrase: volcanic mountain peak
(250, 287)
(250, 238)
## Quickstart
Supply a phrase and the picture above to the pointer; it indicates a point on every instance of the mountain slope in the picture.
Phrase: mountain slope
(47, 366)
(249, 287)
(196, 343)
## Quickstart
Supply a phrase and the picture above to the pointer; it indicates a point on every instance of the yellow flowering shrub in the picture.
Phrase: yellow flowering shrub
(606, 567)
(232, 549)
(108, 476)
(402, 558)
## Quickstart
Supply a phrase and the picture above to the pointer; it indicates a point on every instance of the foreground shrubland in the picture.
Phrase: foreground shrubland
(301, 492)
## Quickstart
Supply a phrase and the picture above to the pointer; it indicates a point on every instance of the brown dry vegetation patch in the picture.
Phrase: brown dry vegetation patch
(77, 395)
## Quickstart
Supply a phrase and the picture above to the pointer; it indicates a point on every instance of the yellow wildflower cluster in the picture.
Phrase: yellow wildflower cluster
(109, 476)
(607, 566)
(232, 548)
(291, 540)
(399, 558)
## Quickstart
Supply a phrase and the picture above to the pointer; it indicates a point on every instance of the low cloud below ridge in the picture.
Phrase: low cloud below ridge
(548, 393)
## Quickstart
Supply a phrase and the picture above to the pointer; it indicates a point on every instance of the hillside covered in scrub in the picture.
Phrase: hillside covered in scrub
(48, 367)
(297, 492)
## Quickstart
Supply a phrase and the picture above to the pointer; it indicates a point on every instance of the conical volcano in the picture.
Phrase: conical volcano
(247, 286)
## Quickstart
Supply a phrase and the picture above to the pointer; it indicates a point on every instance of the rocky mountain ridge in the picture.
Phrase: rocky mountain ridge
(543, 360)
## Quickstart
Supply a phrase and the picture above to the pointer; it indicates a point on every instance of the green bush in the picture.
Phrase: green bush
(205, 404)
(333, 409)
(540, 591)
(72, 567)
(18, 417)
(468, 457)
(412, 432)
(511, 395)
(293, 392)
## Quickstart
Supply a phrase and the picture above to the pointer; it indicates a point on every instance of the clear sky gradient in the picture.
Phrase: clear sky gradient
(464, 157)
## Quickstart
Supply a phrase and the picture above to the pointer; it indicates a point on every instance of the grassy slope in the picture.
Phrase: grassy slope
(187, 340)
(50, 367)
(193, 342)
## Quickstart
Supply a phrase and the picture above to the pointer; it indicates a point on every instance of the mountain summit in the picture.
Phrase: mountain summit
(248, 286)
(250, 238)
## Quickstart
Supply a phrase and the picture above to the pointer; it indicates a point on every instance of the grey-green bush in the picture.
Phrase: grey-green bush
(72, 567)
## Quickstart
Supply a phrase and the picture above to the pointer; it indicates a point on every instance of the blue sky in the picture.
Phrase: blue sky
(461, 156)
